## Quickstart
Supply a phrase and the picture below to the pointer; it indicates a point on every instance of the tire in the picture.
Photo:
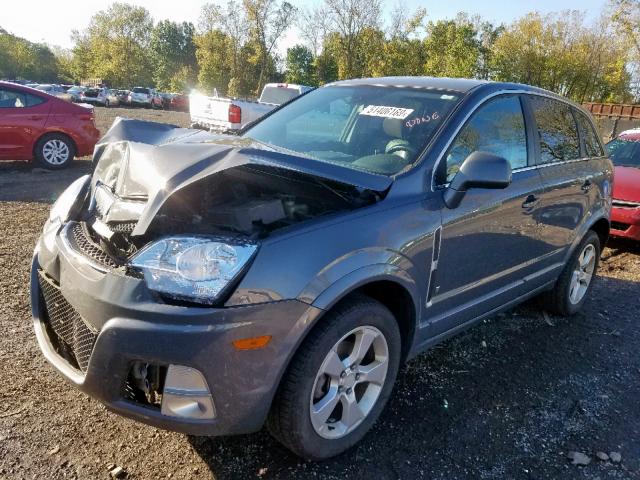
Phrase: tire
(54, 151)
(306, 385)
(106, 104)
(563, 299)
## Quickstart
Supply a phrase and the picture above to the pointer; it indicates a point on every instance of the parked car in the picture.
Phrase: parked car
(113, 97)
(145, 97)
(179, 102)
(96, 96)
(123, 97)
(285, 274)
(165, 98)
(37, 126)
(228, 115)
(51, 89)
(75, 93)
(625, 215)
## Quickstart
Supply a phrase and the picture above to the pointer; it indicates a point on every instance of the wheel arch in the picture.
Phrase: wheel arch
(601, 227)
(54, 132)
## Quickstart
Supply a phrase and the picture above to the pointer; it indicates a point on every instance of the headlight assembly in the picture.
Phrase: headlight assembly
(192, 268)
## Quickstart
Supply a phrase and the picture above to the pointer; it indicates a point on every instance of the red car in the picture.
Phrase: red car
(624, 151)
(179, 102)
(37, 126)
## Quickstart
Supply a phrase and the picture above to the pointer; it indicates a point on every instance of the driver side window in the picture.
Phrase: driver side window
(498, 128)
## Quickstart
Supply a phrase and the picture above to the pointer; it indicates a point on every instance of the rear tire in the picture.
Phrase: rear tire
(330, 370)
(575, 282)
(54, 151)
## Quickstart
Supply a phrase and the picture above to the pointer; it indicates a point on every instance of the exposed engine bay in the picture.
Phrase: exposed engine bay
(251, 201)
(154, 180)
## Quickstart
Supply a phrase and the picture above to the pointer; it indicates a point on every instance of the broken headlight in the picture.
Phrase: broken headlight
(190, 268)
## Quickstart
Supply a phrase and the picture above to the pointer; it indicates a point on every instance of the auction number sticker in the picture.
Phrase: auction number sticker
(387, 112)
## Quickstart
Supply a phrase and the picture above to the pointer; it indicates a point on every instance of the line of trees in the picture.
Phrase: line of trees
(233, 48)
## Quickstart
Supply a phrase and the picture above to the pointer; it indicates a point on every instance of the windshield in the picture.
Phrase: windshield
(625, 153)
(141, 90)
(377, 129)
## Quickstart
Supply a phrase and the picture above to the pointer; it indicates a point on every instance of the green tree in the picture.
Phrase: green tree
(452, 49)
(115, 46)
(173, 53)
(300, 66)
(212, 49)
(561, 53)
(349, 19)
(268, 20)
(20, 58)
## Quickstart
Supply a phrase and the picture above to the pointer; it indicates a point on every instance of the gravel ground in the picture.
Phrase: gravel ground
(510, 398)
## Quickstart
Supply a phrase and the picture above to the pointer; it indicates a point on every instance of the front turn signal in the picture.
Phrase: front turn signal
(252, 343)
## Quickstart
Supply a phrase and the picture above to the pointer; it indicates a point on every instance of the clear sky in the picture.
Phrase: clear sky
(51, 22)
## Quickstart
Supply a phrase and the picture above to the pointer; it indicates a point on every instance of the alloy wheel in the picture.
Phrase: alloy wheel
(583, 274)
(349, 382)
(55, 152)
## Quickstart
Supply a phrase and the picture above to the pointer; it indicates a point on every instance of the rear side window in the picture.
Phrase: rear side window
(557, 130)
(498, 128)
(278, 95)
(33, 100)
(592, 146)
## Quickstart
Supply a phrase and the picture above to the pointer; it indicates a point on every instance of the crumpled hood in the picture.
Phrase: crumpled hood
(141, 164)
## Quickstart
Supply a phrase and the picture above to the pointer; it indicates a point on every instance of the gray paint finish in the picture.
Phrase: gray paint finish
(490, 252)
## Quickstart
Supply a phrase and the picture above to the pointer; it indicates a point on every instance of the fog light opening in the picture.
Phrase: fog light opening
(145, 384)
(186, 394)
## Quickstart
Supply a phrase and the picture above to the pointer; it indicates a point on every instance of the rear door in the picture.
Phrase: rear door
(489, 243)
(22, 119)
(566, 174)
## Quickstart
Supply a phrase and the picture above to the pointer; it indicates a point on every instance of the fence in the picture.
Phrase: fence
(614, 110)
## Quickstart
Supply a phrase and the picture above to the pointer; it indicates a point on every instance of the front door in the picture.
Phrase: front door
(488, 241)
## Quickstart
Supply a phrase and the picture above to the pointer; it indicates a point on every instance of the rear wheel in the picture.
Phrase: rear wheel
(571, 289)
(54, 151)
(339, 380)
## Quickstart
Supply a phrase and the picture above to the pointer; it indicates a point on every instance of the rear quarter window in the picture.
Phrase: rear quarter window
(557, 130)
(592, 146)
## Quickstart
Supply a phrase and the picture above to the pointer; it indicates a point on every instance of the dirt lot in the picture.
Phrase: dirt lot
(508, 399)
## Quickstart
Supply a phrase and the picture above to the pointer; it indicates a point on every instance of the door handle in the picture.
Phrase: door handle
(586, 186)
(35, 117)
(530, 201)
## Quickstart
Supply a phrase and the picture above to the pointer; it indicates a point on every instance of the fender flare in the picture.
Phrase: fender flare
(363, 276)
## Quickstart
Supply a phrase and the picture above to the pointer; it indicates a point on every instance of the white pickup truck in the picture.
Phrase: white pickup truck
(228, 115)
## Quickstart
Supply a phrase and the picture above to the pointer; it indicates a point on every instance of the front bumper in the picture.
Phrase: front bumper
(625, 222)
(131, 325)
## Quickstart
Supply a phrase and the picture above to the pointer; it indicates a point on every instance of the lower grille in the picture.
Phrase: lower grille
(87, 246)
(72, 338)
(620, 226)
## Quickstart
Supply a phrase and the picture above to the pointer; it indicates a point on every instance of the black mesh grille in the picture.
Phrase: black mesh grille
(72, 337)
(123, 227)
(91, 249)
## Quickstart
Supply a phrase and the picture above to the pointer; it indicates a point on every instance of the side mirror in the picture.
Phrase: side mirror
(479, 170)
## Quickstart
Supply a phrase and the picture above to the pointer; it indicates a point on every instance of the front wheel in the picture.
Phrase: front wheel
(339, 380)
(571, 289)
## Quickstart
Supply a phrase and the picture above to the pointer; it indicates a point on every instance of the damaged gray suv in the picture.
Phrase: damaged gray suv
(210, 284)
